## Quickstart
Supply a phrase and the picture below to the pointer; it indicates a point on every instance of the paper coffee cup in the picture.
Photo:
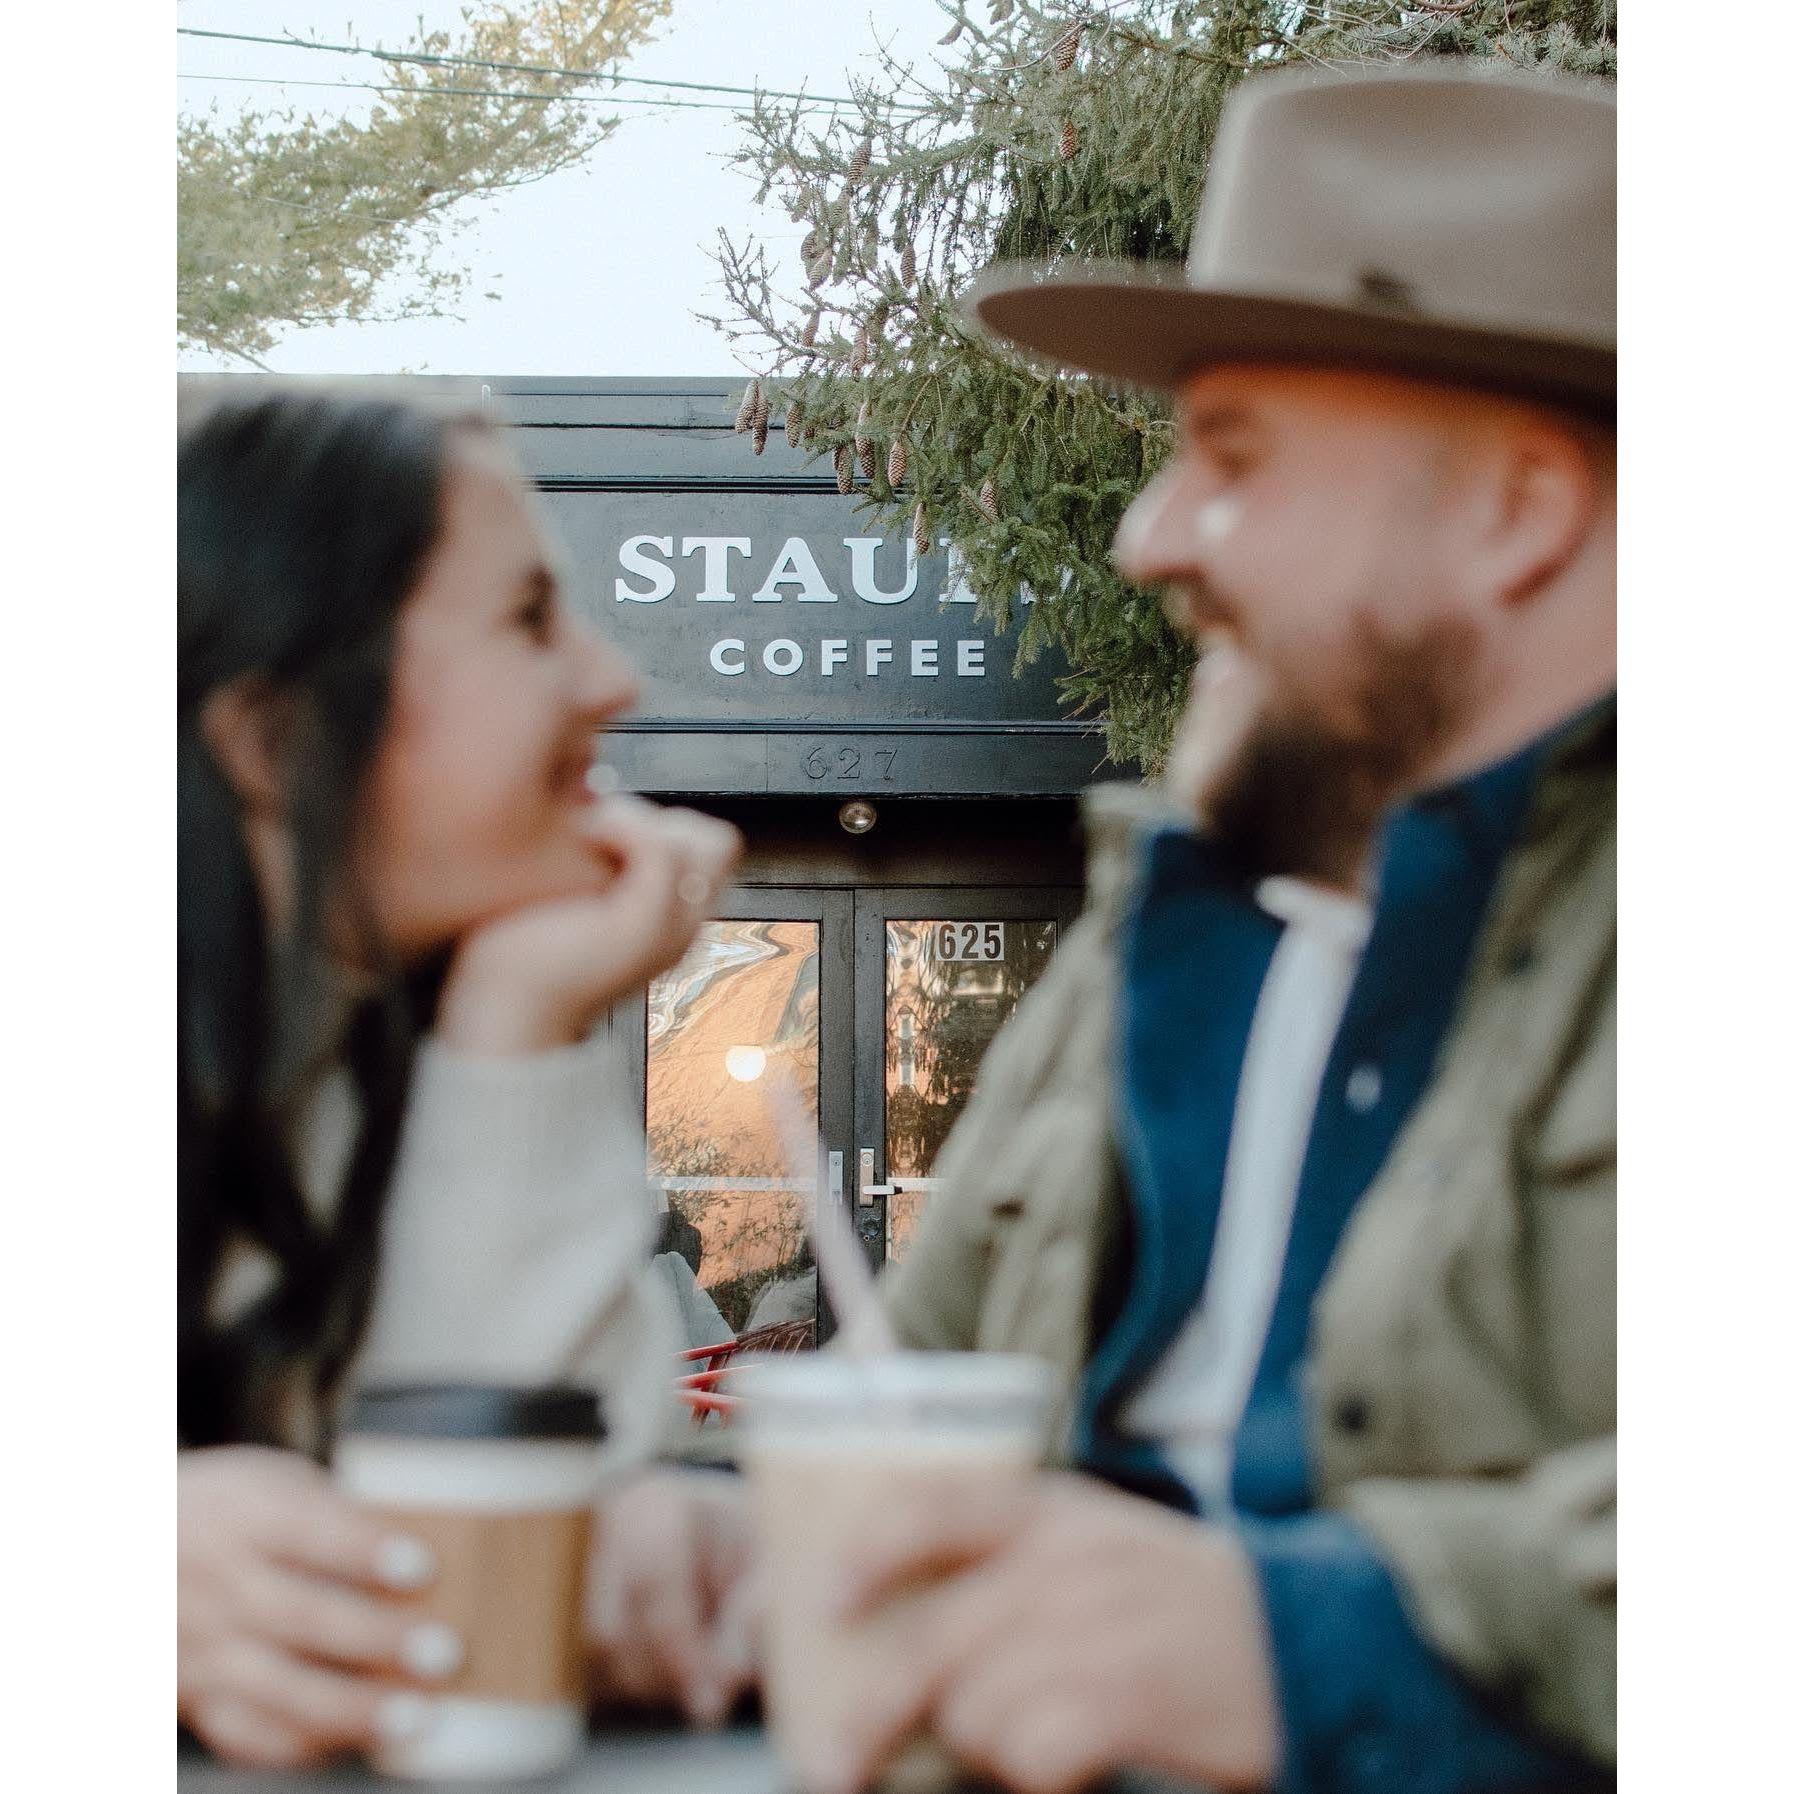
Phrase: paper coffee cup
(499, 1484)
(830, 1445)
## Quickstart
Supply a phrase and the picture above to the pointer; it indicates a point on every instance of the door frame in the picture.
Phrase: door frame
(873, 906)
(832, 912)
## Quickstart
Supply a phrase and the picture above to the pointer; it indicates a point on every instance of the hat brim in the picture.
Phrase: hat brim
(1143, 325)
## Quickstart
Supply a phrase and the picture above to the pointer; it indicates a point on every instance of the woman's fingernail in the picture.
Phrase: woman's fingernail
(836, 1779)
(405, 1562)
(432, 1651)
(402, 1716)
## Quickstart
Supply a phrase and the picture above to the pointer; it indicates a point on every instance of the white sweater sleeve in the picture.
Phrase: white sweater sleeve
(517, 1237)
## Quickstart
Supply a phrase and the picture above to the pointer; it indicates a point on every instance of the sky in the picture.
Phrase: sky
(603, 264)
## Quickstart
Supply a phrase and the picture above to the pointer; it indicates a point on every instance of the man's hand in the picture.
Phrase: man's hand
(540, 976)
(1086, 1632)
(667, 1602)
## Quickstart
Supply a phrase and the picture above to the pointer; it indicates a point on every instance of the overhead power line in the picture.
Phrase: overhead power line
(493, 93)
(529, 68)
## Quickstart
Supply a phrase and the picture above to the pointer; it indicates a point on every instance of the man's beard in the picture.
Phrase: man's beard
(1310, 784)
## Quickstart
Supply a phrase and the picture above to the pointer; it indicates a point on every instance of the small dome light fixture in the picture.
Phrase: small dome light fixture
(857, 817)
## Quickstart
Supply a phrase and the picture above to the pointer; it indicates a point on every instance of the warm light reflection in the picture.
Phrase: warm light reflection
(743, 1000)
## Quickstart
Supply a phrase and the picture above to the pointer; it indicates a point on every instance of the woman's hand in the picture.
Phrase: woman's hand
(667, 1600)
(292, 1647)
(541, 975)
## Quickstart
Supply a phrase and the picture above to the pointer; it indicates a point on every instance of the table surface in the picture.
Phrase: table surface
(737, 1761)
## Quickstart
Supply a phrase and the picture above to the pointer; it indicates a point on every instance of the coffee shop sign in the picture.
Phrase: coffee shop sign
(649, 576)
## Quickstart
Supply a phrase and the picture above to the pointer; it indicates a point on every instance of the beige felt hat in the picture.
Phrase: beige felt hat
(1441, 222)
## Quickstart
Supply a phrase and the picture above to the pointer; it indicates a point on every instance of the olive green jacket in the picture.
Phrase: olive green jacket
(1463, 1344)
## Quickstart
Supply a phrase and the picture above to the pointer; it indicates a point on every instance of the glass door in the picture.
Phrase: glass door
(761, 999)
(875, 1007)
(937, 973)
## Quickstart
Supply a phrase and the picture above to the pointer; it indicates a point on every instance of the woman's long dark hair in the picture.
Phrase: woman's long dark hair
(305, 518)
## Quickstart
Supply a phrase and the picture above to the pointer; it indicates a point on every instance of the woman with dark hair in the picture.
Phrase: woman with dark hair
(404, 1152)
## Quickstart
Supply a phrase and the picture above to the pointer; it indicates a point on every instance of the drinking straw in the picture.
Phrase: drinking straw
(865, 1327)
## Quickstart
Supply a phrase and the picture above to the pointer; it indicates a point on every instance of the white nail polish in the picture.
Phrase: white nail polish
(405, 1562)
(402, 1716)
(708, 1707)
(432, 1650)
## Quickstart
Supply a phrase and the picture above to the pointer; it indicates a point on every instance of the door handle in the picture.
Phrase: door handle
(869, 1189)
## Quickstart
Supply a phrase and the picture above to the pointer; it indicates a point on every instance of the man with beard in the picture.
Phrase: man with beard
(1300, 1161)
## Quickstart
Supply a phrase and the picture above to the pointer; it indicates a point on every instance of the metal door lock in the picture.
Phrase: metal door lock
(869, 1189)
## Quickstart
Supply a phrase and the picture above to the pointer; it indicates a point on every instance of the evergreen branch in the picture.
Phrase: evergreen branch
(1025, 471)
(396, 178)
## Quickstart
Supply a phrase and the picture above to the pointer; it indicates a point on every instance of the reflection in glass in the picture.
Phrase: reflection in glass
(740, 1008)
(942, 1010)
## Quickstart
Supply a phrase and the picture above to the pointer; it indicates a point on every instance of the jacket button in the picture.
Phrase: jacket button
(1351, 1414)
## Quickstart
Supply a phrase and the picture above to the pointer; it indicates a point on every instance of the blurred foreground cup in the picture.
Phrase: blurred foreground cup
(829, 1443)
(499, 1483)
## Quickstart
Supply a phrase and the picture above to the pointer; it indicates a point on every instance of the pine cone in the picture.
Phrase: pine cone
(794, 424)
(759, 433)
(811, 325)
(877, 319)
(862, 441)
(844, 468)
(744, 414)
(762, 408)
(1000, 10)
(907, 265)
(862, 350)
(987, 500)
(1068, 140)
(1065, 50)
(862, 160)
(919, 533)
(806, 250)
(953, 35)
(897, 463)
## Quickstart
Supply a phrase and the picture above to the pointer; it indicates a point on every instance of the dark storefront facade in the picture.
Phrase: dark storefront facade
(908, 804)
